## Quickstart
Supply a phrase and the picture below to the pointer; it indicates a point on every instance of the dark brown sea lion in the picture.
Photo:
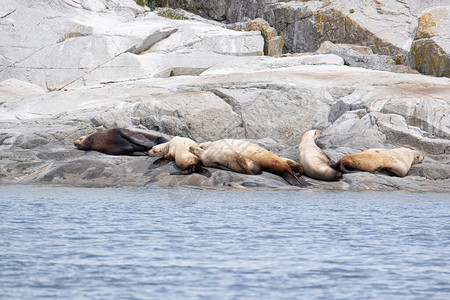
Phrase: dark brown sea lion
(119, 141)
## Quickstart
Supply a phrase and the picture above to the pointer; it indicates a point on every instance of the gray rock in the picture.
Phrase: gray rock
(118, 68)
(410, 32)
(84, 42)
(362, 57)
(273, 44)
(235, 11)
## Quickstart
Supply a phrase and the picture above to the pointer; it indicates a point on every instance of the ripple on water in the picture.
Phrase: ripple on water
(60, 242)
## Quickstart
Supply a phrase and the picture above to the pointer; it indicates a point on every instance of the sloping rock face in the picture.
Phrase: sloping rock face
(167, 77)
(80, 43)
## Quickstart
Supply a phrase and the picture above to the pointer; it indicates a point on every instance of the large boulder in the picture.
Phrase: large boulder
(273, 43)
(431, 46)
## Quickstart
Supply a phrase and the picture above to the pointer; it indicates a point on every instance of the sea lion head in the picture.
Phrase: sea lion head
(79, 143)
(312, 134)
(418, 158)
(316, 134)
(157, 151)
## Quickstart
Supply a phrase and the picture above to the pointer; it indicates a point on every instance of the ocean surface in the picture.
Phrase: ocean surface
(181, 243)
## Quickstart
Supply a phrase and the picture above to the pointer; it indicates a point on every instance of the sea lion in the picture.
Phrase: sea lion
(295, 166)
(119, 141)
(394, 162)
(267, 160)
(178, 149)
(314, 161)
(221, 156)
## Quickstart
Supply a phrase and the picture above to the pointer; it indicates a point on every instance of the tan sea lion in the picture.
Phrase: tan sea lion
(119, 141)
(221, 155)
(314, 161)
(178, 149)
(267, 160)
(389, 161)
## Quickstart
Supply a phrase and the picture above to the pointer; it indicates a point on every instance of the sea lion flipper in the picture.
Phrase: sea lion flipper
(202, 171)
(193, 169)
(218, 166)
(340, 168)
(335, 165)
(183, 172)
(137, 138)
(139, 153)
(160, 162)
(197, 151)
(294, 180)
(389, 172)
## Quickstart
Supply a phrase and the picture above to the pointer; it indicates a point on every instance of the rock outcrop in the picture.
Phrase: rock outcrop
(124, 67)
(363, 57)
(431, 45)
(273, 43)
(413, 33)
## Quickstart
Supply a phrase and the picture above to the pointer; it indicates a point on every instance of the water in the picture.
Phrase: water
(153, 243)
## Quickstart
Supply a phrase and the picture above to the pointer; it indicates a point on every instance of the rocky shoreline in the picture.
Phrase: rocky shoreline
(116, 65)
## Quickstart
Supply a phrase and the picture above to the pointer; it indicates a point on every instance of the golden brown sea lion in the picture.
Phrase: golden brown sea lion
(119, 141)
(314, 161)
(178, 149)
(221, 155)
(295, 166)
(389, 161)
(267, 160)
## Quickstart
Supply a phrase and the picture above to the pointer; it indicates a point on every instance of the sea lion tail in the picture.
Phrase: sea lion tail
(294, 180)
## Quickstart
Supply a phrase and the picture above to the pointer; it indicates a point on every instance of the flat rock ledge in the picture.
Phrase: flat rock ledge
(72, 167)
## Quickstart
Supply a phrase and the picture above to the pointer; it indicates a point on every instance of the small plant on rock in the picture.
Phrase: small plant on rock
(170, 15)
(149, 4)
